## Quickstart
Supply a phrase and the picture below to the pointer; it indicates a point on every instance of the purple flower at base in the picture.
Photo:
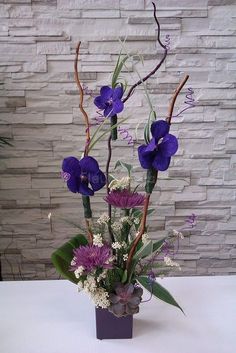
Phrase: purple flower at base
(110, 100)
(125, 300)
(158, 152)
(79, 174)
(124, 199)
(92, 257)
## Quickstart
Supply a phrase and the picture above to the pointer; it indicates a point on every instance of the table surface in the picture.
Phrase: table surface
(52, 317)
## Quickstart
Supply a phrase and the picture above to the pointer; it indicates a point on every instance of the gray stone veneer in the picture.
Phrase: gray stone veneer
(39, 111)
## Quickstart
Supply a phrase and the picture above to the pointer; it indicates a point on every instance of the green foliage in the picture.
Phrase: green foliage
(144, 251)
(124, 165)
(61, 258)
(119, 65)
(159, 292)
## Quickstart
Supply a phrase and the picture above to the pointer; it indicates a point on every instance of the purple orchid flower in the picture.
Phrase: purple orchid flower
(110, 100)
(158, 152)
(79, 174)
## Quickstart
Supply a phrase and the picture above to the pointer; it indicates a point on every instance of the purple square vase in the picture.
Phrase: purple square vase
(108, 326)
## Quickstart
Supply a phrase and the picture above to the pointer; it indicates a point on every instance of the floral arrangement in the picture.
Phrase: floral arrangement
(115, 257)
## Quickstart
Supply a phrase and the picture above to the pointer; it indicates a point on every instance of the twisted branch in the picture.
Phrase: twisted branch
(81, 92)
(147, 198)
(158, 65)
(173, 100)
(86, 204)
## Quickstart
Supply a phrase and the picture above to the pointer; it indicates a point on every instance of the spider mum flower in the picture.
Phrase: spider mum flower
(79, 174)
(125, 300)
(110, 100)
(124, 199)
(158, 152)
(92, 257)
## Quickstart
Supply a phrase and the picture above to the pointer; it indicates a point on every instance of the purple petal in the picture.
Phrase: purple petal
(118, 309)
(85, 190)
(151, 146)
(71, 165)
(99, 102)
(159, 129)
(97, 180)
(114, 299)
(89, 165)
(117, 93)
(108, 112)
(118, 106)
(168, 146)
(73, 184)
(145, 158)
(106, 93)
(161, 162)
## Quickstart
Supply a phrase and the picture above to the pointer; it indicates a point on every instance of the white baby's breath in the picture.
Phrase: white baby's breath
(145, 238)
(178, 234)
(125, 257)
(100, 298)
(79, 271)
(119, 184)
(97, 240)
(169, 262)
(103, 219)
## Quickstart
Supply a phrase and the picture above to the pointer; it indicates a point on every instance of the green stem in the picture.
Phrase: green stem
(151, 180)
(87, 207)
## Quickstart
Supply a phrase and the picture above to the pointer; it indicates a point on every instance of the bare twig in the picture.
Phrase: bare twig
(172, 104)
(86, 119)
(158, 65)
(141, 231)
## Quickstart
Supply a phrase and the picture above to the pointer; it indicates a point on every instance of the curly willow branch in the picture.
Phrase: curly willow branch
(158, 65)
(81, 92)
(147, 198)
(86, 119)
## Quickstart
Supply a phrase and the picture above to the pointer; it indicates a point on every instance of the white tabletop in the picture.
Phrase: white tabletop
(52, 317)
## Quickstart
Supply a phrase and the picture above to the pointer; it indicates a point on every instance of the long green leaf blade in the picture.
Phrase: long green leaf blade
(159, 292)
(61, 258)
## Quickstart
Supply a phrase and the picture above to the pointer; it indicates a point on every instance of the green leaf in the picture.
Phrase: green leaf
(61, 258)
(159, 292)
(124, 277)
(144, 251)
(158, 244)
(124, 165)
(118, 69)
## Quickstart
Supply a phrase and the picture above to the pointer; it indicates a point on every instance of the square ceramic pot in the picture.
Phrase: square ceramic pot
(108, 326)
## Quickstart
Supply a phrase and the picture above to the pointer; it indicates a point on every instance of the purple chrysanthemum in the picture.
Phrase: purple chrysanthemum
(110, 100)
(124, 199)
(92, 257)
(158, 152)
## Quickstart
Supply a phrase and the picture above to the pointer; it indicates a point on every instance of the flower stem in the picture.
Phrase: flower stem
(114, 131)
(107, 184)
(87, 216)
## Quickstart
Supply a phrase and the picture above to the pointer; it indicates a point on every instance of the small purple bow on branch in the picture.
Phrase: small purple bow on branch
(79, 174)
(158, 152)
